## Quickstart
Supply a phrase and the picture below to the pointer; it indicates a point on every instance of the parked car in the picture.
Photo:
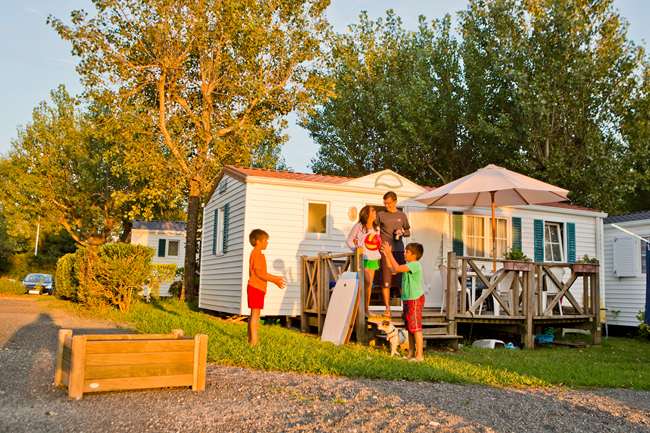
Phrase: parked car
(35, 284)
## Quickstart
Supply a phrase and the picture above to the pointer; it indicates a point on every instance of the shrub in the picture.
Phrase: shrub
(66, 283)
(160, 273)
(516, 255)
(175, 289)
(119, 272)
(644, 328)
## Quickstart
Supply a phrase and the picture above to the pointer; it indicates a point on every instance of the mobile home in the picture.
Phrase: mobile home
(305, 214)
(625, 267)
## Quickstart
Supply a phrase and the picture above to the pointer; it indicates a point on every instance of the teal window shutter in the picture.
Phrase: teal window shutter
(215, 227)
(571, 242)
(516, 234)
(226, 219)
(162, 247)
(457, 244)
(538, 226)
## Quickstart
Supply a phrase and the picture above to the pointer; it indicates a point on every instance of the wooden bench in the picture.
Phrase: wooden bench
(111, 362)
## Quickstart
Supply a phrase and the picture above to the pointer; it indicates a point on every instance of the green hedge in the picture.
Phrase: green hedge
(112, 274)
(65, 286)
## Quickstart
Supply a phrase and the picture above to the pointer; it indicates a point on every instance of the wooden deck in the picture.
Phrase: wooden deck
(523, 297)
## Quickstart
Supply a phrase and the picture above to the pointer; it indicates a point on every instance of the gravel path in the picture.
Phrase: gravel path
(239, 400)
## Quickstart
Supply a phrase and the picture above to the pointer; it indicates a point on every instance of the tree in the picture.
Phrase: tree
(548, 85)
(215, 75)
(396, 103)
(75, 168)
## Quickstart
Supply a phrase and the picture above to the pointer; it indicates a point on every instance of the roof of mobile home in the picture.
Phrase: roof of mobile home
(243, 173)
(636, 216)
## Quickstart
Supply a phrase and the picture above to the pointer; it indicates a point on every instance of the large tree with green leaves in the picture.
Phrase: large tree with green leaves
(549, 84)
(80, 167)
(552, 88)
(396, 103)
(217, 76)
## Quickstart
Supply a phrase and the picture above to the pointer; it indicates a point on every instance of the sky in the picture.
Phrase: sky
(34, 60)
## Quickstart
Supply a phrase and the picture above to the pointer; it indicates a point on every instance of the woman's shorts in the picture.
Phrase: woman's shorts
(412, 311)
(255, 297)
(372, 265)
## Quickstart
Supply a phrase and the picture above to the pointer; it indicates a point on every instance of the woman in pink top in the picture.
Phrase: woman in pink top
(365, 235)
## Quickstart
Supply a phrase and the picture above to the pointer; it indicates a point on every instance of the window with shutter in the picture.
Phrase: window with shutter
(538, 227)
(571, 242)
(224, 236)
(457, 244)
(215, 229)
(516, 234)
(162, 247)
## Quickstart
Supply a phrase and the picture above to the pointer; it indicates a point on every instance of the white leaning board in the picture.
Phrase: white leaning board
(339, 311)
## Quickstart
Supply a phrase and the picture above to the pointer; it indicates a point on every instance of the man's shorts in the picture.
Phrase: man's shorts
(255, 297)
(412, 312)
(387, 276)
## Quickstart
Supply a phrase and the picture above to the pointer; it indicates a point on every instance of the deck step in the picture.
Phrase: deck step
(440, 336)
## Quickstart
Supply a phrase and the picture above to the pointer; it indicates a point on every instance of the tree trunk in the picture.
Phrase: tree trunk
(190, 288)
(127, 226)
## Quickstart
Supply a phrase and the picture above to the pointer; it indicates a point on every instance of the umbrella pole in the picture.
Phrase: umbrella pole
(494, 233)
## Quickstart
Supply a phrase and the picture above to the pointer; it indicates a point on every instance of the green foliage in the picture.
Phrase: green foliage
(10, 286)
(7, 245)
(397, 102)
(588, 260)
(217, 77)
(112, 274)
(78, 165)
(540, 87)
(513, 254)
(160, 273)
(65, 286)
(644, 328)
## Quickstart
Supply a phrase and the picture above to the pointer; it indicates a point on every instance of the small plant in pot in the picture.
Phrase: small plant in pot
(516, 260)
(586, 265)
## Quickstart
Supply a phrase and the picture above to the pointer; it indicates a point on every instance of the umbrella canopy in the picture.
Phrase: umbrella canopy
(493, 186)
(509, 188)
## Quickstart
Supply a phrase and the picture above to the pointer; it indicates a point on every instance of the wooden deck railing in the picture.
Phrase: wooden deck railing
(317, 274)
(521, 291)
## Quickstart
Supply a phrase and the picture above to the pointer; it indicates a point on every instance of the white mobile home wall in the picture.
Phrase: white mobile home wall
(625, 295)
(150, 238)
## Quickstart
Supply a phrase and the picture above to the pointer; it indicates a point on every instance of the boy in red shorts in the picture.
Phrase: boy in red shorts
(412, 294)
(258, 277)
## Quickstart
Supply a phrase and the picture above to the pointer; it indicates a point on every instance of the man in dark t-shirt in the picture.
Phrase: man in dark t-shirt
(394, 225)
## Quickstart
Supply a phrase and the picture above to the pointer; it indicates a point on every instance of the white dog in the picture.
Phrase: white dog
(395, 336)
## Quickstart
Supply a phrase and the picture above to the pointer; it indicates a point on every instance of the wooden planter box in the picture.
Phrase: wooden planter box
(585, 268)
(111, 362)
(516, 265)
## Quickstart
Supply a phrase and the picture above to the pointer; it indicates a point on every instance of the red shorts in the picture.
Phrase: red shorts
(255, 297)
(412, 311)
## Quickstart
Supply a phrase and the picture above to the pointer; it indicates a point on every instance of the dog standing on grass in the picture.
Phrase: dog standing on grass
(395, 336)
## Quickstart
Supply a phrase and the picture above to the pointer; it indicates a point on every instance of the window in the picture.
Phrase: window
(172, 248)
(643, 253)
(218, 233)
(317, 218)
(553, 242)
(502, 237)
(478, 236)
(475, 236)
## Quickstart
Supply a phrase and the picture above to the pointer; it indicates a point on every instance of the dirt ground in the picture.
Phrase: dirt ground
(242, 400)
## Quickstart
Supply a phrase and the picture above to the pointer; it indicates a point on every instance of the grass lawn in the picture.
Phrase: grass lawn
(619, 362)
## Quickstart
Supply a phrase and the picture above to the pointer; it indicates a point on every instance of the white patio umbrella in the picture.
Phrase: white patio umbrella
(493, 186)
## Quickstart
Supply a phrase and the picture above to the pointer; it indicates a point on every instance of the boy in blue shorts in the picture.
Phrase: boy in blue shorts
(412, 294)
